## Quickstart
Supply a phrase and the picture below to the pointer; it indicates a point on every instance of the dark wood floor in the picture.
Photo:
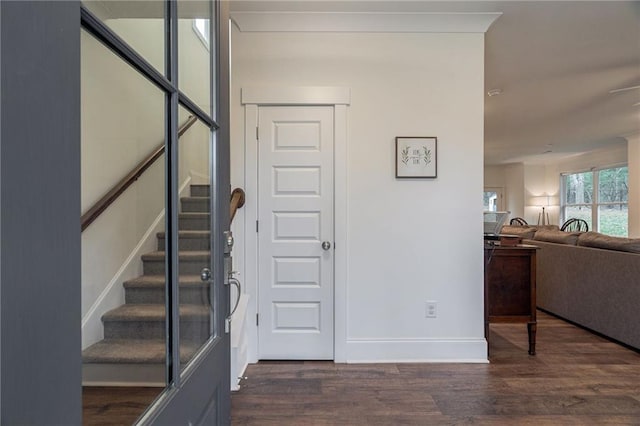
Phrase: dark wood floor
(576, 378)
(111, 406)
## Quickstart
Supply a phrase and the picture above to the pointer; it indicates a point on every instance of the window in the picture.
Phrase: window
(600, 197)
(493, 199)
(201, 27)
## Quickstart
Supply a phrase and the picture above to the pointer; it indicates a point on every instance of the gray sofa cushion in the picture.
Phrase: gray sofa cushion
(556, 236)
(597, 240)
(547, 227)
(521, 231)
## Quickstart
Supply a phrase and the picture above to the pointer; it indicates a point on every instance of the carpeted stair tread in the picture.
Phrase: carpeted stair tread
(191, 262)
(154, 313)
(189, 256)
(129, 351)
(188, 234)
(153, 281)
(150, 289)
(203, 215)
(188, 240)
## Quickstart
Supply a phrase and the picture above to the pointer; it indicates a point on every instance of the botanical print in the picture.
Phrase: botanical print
(427, 155)
(405, 155)
(416, 157)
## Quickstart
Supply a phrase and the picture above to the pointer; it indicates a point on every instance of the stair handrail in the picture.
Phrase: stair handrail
(103, 203)
(237, 201)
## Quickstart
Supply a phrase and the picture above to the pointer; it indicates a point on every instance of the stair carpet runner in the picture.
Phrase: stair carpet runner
(134, 333)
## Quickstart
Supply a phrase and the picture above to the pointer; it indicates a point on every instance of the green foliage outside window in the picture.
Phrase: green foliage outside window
(610, 209)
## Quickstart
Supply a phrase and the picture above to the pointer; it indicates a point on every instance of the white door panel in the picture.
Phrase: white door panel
(295, 180)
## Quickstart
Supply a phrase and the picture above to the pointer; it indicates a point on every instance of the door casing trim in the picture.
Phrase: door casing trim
(339, 97)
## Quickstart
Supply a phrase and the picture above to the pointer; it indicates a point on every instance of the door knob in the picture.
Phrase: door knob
(205, 274)
(326, 245)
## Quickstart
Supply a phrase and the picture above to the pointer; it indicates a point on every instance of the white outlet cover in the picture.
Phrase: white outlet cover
(431, 310)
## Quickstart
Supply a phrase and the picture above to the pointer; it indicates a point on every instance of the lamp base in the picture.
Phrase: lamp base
(544, 218)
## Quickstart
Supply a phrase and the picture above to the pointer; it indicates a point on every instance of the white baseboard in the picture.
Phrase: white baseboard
(239, 344)
(417, 350)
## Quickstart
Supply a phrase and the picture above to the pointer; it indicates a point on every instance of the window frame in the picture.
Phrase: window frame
(595, 203)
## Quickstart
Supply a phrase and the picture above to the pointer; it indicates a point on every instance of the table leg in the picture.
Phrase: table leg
(532, 327)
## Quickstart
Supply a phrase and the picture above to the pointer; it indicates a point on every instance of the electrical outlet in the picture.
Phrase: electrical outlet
(431, 309)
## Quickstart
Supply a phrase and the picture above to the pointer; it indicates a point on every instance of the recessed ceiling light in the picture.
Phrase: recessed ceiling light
(494, 92)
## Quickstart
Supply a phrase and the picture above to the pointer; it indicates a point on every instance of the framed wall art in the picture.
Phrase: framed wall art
(416, 157)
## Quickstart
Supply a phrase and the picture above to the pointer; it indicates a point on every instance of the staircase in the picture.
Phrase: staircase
(133, 348)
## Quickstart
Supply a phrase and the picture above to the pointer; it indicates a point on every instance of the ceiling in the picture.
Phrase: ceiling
(555, 63)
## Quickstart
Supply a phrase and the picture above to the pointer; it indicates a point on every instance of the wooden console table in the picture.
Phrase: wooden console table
(510, 287)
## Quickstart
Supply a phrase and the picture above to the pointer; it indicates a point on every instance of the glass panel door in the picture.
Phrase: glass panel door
(123, 279)
(174, 292)
(194, 237)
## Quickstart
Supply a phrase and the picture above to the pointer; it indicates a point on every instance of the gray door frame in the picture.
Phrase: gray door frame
(202, 396)
(40, 374)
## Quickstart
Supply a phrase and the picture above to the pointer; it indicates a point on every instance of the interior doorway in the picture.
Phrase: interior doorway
(493, 199)
(311, 98)
(295, 232)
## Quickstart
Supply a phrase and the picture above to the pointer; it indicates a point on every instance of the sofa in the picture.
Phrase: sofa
(588, 278)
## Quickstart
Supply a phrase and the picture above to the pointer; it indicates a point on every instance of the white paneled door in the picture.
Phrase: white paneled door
(295, 232)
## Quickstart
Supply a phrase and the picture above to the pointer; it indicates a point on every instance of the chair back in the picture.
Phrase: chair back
(575, 225)
(518, 221)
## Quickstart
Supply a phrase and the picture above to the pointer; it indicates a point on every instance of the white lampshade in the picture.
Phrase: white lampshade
(542, 201)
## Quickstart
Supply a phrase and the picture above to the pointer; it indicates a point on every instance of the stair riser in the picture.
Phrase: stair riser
(193, 224)
(195, 205)
(196, 296)
(194, 331)
(188, 244)
(200, 191)
(117, 374)
(156, 267)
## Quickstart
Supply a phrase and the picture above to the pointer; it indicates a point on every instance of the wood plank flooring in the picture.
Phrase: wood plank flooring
(111, 406)
(576, 378)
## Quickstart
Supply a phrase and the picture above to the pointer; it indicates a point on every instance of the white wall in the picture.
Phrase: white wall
(494, 176)
(514, 188)
(536, 185)
(408, 240)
